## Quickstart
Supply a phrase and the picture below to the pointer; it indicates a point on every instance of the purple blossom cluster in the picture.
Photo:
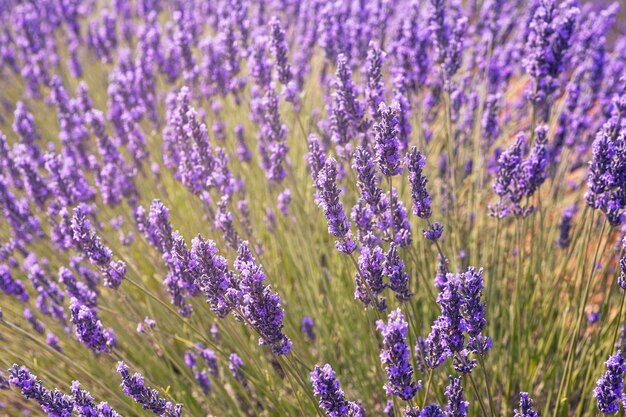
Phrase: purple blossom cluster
(331, 397)
(135, 387)
(609, 391)
(605, 185)
(54, 403)
(518, 178)
(201, 269)
(395, 356)
(462, 314)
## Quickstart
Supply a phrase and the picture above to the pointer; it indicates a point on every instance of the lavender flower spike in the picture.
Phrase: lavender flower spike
(457, 406)
(53, 403)
(331, 397)
(278, 47)
(415, 163)
(261, 306)
(395, 271)
(308, 328)
(387, 142)
(89, 329)
(85, 406)
(328, 200)
(210, 271)
(609, 390)
(525, 406)
(86, 241)
(134, 386)
(395, 356)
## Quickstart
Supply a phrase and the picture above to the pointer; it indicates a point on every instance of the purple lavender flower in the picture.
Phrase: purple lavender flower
(24, 126)
(203, 381)
(451, 321)
(76, 288)
(448, 41)
(371, 261)
(441, 275)
(609, 388)
(243, 152)
(190, 359)
(434, 231)
(284, 199)
(224, 223)
(8, 167)
(53, 341)
(387, 142)
(389, 409)
(146, 325)
(401, 225)
(457, 406)
(261, 307)
(374, 89)
(38, 326)
(308, 328)
(331, 397)
(156, 227)
(67, 182)
(367, 180)
(394, 269)
(345, 96)
(179, 281)
(605, 190)
(473, 308)
(508, 165)
(280, 51)
(433, 410)
(85, 406)
(315, 157)
(89, 328)
(134, 386)
(211, 273)
(210, 359)
(53, 403)
(395, 356)
(12, 286)
(533, 168)
(490, 125)
(328, 201)
(49, 295)
(415, 163)
(363, 218)
(24, 224)
(86, 241)
(234, 365)
(73, 130)
(525, 406)
(340, 133)
(593, 317)
(547, 44)
(36, 187)
(273, 145)
(566, 225)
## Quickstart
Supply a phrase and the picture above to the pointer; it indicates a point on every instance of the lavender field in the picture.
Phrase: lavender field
(316, 208)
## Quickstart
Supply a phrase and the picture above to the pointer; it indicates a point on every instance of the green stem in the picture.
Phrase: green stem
(480, 400)
(491, 402)
(430, 378)
(619, 319)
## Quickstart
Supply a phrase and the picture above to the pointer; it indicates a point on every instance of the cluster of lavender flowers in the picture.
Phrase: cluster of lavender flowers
(55, 403)
(458, 331)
